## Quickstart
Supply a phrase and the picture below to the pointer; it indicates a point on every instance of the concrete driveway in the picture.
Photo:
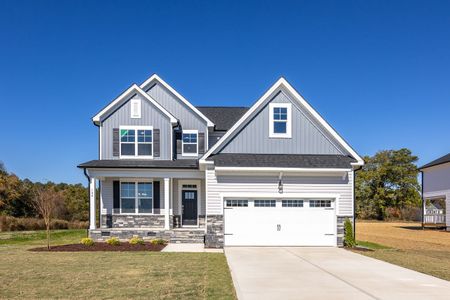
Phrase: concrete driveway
(325, 273)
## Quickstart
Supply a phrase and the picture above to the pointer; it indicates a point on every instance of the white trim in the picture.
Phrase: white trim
(136, 199)
(155, 77)
(136, 143)
(92, 207)
(133, 89)
(288, 133)
(282, 83)
(135, 111)
(189, 131)
(287, 170)
(167, 203)
(180, 199)
(100, 128)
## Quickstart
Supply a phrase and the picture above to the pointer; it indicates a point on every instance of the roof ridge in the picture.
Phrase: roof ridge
(222, 106)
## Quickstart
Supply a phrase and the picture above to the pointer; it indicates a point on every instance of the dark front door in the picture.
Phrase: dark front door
(189, 202)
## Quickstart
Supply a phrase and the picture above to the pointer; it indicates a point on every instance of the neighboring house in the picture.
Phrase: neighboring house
(436, 191)
(273, 174)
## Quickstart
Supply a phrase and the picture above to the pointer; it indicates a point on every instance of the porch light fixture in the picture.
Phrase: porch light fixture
(280, 183)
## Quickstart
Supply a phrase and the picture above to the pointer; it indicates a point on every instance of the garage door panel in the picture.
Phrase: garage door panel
(279, 226)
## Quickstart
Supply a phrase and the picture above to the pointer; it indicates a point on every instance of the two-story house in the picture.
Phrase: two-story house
(273, 174)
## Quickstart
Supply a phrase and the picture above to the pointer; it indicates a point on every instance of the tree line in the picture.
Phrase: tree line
(17, 195)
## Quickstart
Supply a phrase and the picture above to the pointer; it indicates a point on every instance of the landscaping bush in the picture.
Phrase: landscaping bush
(136, 241)
(87, 242)
(158, 242)
(8, 223)
(349, 240)
(113, 241)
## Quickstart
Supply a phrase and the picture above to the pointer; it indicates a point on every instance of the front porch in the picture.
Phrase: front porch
(149, 204)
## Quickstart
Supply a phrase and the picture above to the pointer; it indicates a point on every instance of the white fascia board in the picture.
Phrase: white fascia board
(283, 83)
(133, 89)
(285, 171)
(155, 77)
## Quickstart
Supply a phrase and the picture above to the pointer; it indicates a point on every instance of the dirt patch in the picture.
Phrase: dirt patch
(100, 247)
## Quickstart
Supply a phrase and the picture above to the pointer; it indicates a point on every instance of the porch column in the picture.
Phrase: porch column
(166, 203)
(92, 204)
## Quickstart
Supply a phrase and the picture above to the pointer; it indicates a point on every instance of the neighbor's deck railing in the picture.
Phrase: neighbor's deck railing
(434, 219)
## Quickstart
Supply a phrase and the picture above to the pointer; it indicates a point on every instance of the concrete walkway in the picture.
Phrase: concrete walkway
(325, 273)
(183, 247)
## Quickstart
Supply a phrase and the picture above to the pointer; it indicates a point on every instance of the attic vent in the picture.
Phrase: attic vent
(136, 108)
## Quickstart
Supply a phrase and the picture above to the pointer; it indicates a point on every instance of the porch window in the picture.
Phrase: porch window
(190, 144)
(136, 142)
(136, 197)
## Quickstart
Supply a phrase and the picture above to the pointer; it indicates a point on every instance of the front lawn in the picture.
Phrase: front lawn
(407, 245)
(154, 275)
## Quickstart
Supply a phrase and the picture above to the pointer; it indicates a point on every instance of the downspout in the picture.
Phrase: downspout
(423, 200)
(89, 192)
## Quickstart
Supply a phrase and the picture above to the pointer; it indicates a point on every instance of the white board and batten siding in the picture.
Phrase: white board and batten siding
(217, 187)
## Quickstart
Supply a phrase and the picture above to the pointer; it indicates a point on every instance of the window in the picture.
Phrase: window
(265, 203)
(237, 203)
(135, 108)
(292, 203)
(136, 142)
(189, 140)
(189, 186)
(280, 120)
(319, 203)
(136, 197)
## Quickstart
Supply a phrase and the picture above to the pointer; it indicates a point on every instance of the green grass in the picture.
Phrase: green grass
(149, 275)
(370, 245)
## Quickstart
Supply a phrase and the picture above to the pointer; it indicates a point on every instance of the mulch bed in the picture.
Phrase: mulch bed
(100, 247)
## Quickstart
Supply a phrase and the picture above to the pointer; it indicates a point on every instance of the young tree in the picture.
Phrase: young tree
(46, 200)
(387, 180)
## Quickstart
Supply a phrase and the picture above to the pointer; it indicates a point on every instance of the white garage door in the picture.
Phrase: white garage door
(282, 222)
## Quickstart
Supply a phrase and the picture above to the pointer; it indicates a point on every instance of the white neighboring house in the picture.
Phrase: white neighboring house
(273, 174)
(436, 192)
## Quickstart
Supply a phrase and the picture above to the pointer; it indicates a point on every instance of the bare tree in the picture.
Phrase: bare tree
(46, 200)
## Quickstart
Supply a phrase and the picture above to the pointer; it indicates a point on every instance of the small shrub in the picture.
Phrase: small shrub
(87, 242)
(113, 241)
(159, 242)
(349, 240)
(136, 241)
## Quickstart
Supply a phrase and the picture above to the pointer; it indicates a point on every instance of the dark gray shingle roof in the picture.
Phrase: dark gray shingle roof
(281, 160)
(224, 117)
(441, 160)
(140, 163)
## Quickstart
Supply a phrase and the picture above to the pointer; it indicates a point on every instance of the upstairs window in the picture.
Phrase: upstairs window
(190, 143)
(135, 108)
(280, 120)
(136, 142)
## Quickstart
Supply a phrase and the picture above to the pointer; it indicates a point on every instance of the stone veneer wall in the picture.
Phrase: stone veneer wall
(214, 237)
(340, 229)
(133, 221)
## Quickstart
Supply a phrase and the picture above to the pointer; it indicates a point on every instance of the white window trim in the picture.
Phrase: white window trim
(136, 128)
(180, 197)
(136, 199)
(190, 131)
(288, 133)
(135, 114)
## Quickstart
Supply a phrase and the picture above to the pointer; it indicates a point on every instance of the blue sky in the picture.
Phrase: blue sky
(378, 71)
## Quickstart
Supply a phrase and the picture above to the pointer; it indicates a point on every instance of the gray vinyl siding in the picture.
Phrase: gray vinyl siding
(189, 120)
(150, 116)
(308, 136)
(217, 185)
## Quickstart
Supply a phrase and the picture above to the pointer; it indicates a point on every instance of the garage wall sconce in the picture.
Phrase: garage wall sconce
(280, 183)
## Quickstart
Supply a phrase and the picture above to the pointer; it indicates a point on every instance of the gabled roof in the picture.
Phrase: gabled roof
(156, 78)
(134, 89)
(441, 160)
(282, 83)
(282, 160)
(223, 117)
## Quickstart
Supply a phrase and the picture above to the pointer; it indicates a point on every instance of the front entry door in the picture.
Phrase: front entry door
(189, 202)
